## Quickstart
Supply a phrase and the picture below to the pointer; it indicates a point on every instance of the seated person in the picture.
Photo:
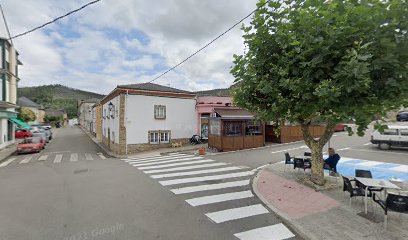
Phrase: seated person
(332, 160)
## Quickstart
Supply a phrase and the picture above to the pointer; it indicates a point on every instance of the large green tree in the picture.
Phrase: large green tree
(324, 59)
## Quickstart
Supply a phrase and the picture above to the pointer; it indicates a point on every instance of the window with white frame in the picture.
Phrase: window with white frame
(159, 112)
(164, 136)
(157, 137)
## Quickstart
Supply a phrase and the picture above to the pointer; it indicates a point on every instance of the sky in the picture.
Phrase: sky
(128, 41)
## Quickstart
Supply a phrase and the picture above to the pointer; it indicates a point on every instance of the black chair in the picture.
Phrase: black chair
(353, 191)
(394, 202)
(288, 160)
(367, 174)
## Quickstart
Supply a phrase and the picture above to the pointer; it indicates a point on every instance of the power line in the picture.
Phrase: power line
(209, 43)
(54, 20)
(5, 23)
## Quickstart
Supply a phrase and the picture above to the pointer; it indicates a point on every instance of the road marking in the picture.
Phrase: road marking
(176, 164)
(342, 149)
(26, 159)
(58, 158)
(73, 157)
(401, 168)
(206, 178)
(277, 231)
(208, 187)
(290, 149)
(178, 174)
(5, 163)
(366, 144)
(101, 155)
(237, 213)
(43, 158)
(219, 198)
(159, 159)
(369, 163)
(383, 152)
(88, 157)
(161, 162)
(186, 168)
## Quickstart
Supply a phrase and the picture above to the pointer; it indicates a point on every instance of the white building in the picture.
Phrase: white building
(140, 117)
(85, 113)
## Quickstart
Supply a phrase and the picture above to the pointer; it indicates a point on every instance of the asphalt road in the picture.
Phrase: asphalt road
(70, 192)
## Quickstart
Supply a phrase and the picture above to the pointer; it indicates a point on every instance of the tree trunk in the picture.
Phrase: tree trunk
(316, 146)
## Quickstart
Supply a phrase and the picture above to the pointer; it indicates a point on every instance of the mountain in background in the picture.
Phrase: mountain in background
(57, 96)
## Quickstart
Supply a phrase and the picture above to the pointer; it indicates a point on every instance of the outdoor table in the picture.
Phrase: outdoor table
(377, 183)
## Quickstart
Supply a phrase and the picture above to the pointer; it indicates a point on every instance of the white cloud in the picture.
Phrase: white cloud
(103, 54)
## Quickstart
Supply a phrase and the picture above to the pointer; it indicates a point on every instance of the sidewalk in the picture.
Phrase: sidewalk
(186, 148)
(324, 214)
(7, 151)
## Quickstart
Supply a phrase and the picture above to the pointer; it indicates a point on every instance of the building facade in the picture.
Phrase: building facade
(97, 121)
(85, 113)
(8, 91)
(37, 109)
(205, 110)
(140, 117)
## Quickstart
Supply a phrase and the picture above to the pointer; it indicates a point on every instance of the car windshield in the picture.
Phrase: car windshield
(31, 141)
(38, 134)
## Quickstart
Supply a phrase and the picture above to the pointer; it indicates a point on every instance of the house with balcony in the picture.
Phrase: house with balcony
(145, 116)
(9, 63)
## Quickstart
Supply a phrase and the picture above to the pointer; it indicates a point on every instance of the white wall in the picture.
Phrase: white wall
(181, 117)
(111, 123)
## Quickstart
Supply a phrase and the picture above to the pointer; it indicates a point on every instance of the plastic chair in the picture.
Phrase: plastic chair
(353, 191)
(288, 160)
(394, 202)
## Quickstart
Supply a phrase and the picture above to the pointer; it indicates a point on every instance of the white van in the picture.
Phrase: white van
(392, 136)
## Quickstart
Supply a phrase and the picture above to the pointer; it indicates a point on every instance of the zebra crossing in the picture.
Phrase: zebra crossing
(222, 191)
(55, 158)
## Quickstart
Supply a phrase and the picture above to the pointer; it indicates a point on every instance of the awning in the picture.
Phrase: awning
(234, 113)
(20, 123)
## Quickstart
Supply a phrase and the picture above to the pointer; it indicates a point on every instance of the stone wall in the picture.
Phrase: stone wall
(137, 148)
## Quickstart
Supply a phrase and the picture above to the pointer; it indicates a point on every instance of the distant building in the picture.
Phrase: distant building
(97, 121)
(38, 109)
(8, 91)
(85, 113)
(57, 113)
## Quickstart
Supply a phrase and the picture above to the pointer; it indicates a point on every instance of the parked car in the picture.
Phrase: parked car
(35, 128)
(402, 116)
(340, 127)
(48, 132)
(31, 144)
(42, 135)
(46, 126)
(22, 133)
(392, 136)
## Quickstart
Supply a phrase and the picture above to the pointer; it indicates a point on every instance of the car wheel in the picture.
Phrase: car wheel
(345, 129)
(384, 146)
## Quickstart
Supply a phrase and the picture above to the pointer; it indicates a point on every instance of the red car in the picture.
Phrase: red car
(340, 127)
(31, 144)
(22, 133)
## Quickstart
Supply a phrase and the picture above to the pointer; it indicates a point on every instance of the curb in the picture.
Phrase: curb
(98, 143)
(6, 156)
(285, 219)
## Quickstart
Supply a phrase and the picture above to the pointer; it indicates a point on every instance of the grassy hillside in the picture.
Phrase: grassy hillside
(57, 96)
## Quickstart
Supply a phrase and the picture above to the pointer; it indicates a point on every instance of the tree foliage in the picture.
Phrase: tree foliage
(326, 59)
(27, 115)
